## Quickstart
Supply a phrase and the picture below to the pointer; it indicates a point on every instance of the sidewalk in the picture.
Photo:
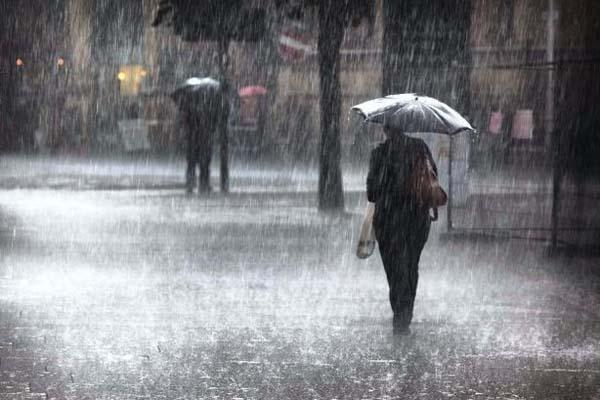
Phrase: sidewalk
(126, 173)
(520, 179)
(516, 202)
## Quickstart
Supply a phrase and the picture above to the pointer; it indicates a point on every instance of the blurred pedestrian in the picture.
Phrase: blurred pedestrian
(204, 112)
(201, 127)
(401, 219)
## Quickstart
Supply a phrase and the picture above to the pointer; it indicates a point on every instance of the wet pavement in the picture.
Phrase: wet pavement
(144, 292)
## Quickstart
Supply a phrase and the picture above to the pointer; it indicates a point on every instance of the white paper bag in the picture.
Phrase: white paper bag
(366, 239)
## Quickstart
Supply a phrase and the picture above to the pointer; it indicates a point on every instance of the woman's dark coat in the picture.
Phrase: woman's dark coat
(401, 226)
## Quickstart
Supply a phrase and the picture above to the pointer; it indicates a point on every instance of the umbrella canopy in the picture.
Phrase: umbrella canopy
(196, 90)
(411, 113)
(254, 90)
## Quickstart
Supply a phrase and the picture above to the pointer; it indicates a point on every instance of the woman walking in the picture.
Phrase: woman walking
(401, 220)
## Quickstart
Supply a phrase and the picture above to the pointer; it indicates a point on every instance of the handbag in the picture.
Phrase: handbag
(437, 195)
(366, 238)
(425, 186)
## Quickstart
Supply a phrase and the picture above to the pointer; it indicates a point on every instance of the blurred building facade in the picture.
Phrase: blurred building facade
(33, 71)
(90, 63)
(87, 64)
(534, 67)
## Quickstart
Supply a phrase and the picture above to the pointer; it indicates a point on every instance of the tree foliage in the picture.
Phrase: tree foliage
(350, 12)
(216, 20)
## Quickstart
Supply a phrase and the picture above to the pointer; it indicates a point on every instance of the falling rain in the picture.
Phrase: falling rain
(299, 199)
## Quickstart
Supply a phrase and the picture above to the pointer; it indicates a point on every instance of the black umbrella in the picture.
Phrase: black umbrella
(197, 92)
(411, 113)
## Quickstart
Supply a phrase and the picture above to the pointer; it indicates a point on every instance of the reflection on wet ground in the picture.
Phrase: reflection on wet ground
(152, 294)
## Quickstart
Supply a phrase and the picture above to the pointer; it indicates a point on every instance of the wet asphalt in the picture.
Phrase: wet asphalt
(149, 293)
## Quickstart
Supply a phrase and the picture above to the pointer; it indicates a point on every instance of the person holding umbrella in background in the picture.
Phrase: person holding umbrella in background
(402, 184)
(203, 106)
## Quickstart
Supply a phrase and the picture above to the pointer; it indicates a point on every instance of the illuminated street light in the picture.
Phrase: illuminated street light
(121, 76)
